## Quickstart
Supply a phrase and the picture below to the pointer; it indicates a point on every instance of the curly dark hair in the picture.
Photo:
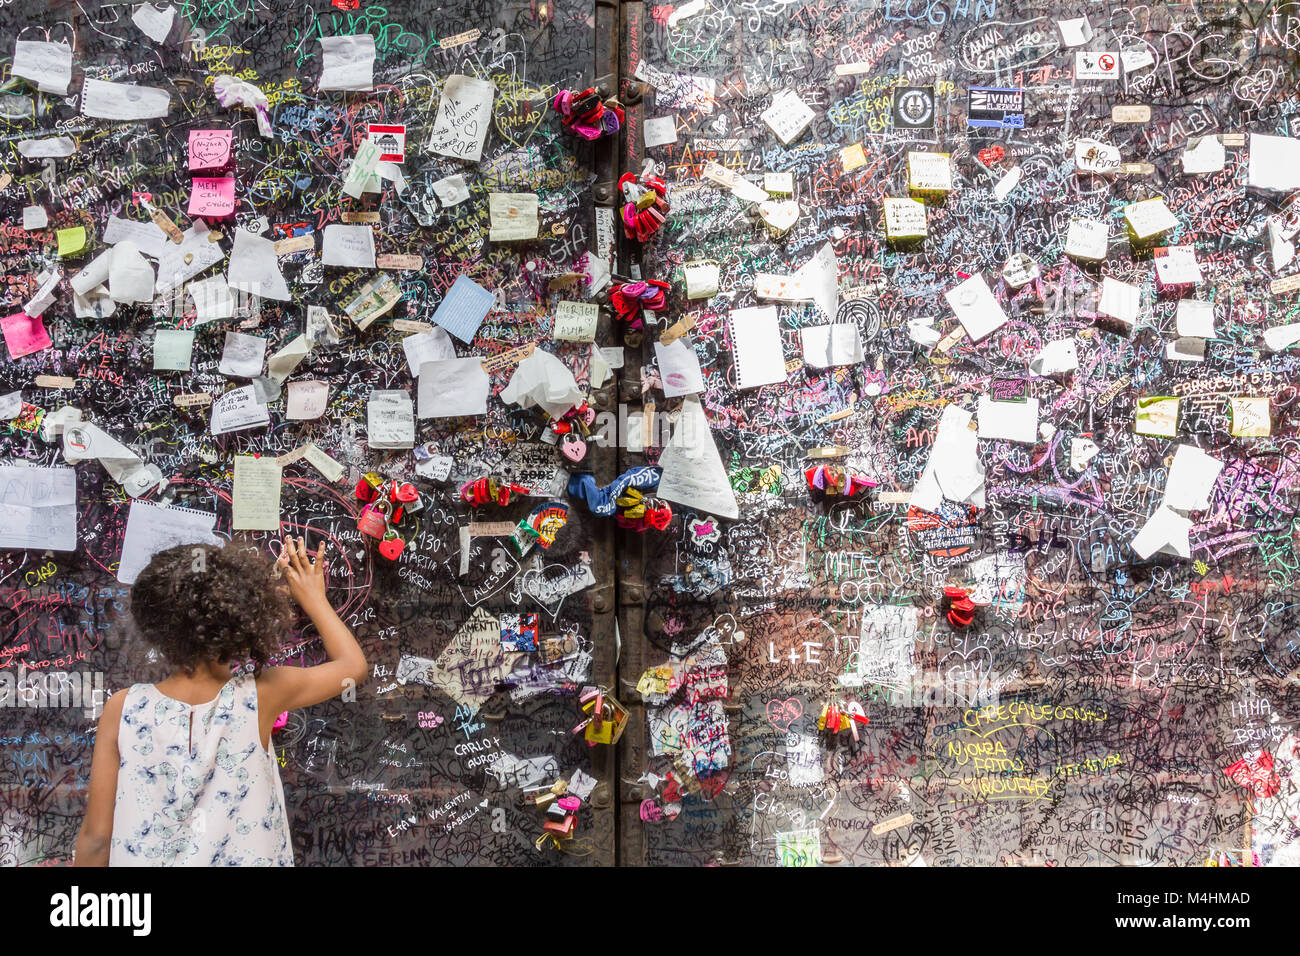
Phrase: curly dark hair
(197, 603)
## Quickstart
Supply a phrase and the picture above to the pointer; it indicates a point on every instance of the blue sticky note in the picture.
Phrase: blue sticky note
(464, 308)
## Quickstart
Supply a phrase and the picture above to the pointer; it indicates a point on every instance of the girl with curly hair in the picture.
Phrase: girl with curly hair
(183, 773)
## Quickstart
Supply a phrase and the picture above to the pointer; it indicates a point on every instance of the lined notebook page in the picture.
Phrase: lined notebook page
(756, 346)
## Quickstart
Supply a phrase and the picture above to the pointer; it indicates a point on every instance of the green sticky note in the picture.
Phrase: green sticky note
(72, 241)
(172, 349)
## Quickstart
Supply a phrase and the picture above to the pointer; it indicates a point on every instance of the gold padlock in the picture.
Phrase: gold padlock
(647, 200)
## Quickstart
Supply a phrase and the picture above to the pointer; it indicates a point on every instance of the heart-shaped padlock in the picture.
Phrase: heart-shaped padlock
(405, 493)
(371, 522)
(573, 448)
(391, 548)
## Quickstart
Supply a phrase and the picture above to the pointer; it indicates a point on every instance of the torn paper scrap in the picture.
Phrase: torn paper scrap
(46, 65)
(693, 474)
(954, 470)
(1191, 479)
(1165, 531)
(1055, 358)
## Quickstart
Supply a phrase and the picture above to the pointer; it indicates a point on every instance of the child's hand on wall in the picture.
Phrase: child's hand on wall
(304, 572)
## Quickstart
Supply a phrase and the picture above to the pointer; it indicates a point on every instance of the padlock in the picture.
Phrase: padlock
(391, 547)
(573, 448)
(405, 493)
(372, 522)
(365, 490)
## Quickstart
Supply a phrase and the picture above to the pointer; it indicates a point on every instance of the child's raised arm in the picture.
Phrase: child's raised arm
(97, 828)
(288, 688)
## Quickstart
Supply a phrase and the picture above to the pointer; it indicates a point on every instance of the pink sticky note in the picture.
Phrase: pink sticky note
(213, 196)
(209, 148)
(25, 334)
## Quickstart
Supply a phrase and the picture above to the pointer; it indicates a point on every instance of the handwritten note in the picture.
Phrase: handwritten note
(464, 115)
(255, 498)
(576, 321)
(212, 196)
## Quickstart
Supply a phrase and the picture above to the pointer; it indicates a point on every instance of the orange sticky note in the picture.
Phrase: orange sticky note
(24, 334)
(213, 196)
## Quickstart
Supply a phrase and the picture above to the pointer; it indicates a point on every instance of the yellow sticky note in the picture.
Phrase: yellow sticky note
(853, 157)
(71, 241)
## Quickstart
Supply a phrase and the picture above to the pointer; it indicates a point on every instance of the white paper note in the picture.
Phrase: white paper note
(154, 22)
(543, 380)
(243, 355)
(255, 496)
(130, 276)
(347, 62)
(1011, 421)
(237, 410)
(1274, 163)
(429, 346)
(1165, 530)
(123, 101)
(1191, 479)
(254, 268)
(307, 400)
(660, 131)
(756, 347)
(828, 346)
(1055, 358)
(390, 419)
(1204, 155)
(693, 473)
(464, 115)
(976, 307)
(46, 65)
(1195, 318)
(212, 300)
(38, 508)
(151, 528)
(453, 387)
(679, 368)
(350, 247)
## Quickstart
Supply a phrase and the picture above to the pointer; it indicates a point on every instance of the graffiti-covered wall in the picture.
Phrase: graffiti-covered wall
(991, 304)
(331, 171)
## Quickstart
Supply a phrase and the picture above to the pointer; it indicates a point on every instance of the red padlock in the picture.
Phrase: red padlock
(391, 548)
(371, 522)
(366, 491)
(404, 493)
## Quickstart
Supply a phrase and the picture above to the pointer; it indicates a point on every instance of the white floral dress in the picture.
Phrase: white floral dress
(195, 786)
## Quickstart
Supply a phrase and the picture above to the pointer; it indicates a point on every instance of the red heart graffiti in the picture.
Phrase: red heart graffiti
(782, 713)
